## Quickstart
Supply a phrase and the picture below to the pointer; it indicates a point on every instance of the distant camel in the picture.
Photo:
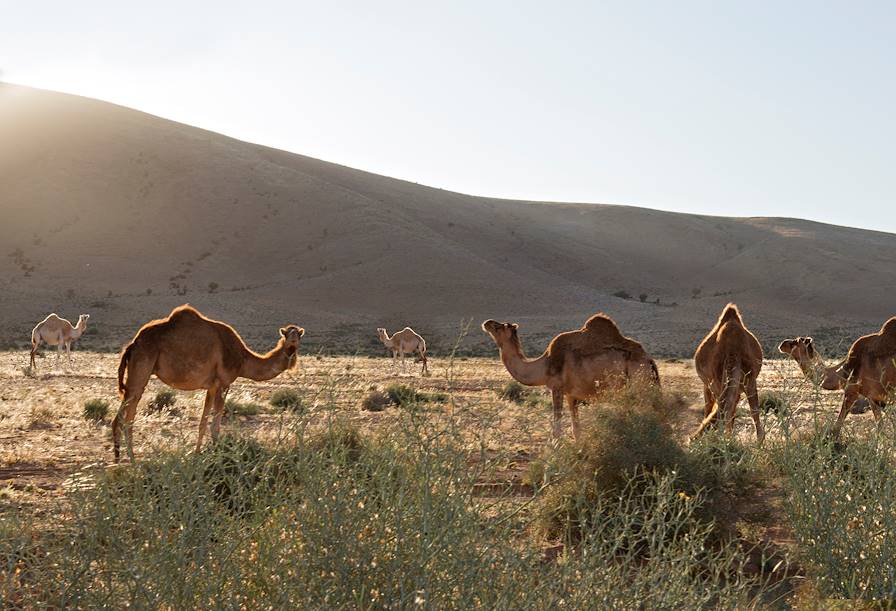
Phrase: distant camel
(728, 361)
(406, 341)
(802, 350)
(577, 364)
(189, 352)
(59, 332)
(869, 370)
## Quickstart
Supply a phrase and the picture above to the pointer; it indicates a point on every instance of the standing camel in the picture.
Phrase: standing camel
(728, 361)
(59, 332)
(869, 370)
(188, 351)
(802, 350)
(577, 365)
(406, 341)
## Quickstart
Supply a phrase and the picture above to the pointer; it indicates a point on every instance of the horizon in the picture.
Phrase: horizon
(728, 112)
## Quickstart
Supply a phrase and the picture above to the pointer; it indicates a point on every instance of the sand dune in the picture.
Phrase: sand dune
(121, 214)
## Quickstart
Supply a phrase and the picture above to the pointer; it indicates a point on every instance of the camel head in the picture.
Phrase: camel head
(291, 337)
(381, 333)
(82, 320)
(800, 349)
(501, 332)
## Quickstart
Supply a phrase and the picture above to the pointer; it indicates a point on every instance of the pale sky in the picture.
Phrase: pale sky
(744, 109)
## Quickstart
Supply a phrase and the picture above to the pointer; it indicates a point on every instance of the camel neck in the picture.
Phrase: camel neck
(819, 373)
(525, 371)
(264, 367)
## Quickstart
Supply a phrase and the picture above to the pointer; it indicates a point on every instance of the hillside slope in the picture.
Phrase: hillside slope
(124, 215)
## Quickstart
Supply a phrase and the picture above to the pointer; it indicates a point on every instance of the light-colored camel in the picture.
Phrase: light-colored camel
(406, 341)
(728, 362)
(869, 370)
(188, 351)
(577, 365)
(59, 332)
(802, 350)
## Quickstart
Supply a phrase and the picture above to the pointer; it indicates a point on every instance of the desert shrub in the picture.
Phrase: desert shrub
(724, 462)
(622, 294)
(630, 436)
(95, 410)
(403, 395)
(41, 416)
(774, 403)
(337, 519)
(841, 504)
(242, 407)
(163, 399)
(288, 399)
(376, 401)
(513, 391)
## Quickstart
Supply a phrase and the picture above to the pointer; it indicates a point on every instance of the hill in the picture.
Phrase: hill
(124, 215)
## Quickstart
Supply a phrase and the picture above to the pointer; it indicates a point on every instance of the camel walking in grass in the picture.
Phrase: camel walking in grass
(406, 341)
(59, 332)
(817, 372)
(188, 351)
(577, 365)
(728, 361)
(869, 370)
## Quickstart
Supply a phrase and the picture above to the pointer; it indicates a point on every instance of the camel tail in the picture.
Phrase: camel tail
(728, 401)
(123, 366)
(654, 372)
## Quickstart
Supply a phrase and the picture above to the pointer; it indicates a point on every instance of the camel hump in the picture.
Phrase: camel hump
(602, 325)
(730, 313)
(889, 329)
(184, 311)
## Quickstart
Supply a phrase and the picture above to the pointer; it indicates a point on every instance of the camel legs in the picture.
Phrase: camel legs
(878, 412)
(211, 399)
(708, 402)
(218, 412)
(423, 358)
(557, 398)
(127, 412)
(753, 399)
(849, 397)
(574, 415)
(34, 347)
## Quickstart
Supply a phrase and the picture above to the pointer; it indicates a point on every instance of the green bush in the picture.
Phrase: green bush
(163, 400)
(404, 396)
(514, 392)
(240, 407)
(288, 399)
(774, 403)
(334, 519)
(95, 410)
(376, 401)
(841, 504)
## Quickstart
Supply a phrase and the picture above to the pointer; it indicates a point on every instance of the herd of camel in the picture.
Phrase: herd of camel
(189, 351)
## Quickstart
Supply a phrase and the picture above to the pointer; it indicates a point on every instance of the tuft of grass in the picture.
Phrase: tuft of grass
(288, 399)
(163, 400)
(514, 392)
(95, 410)
(41, 417)
(376, 401)
(242, 407)
(774, 403)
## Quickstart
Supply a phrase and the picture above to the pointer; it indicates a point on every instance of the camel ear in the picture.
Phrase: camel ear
(808, 341)
(784, 347)
(301, 332)
(513, 325)
(283, 331)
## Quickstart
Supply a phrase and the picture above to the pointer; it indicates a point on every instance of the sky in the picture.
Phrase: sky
(731, 108)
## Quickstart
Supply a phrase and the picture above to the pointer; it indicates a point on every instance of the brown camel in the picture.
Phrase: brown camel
(56, 331)
(802, 350)
(728, 361)
(869, 370)
(188, 351)
(577, 365)
(405, 341)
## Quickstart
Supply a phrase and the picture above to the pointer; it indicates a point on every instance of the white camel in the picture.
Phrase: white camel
(59, 332)
(406, 341)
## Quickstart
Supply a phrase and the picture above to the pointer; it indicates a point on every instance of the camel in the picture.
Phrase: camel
(59, 332)
(728, 361)
(869, 370)
(188, 351)
(405, 341)
(802, 350)
(577, 365)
